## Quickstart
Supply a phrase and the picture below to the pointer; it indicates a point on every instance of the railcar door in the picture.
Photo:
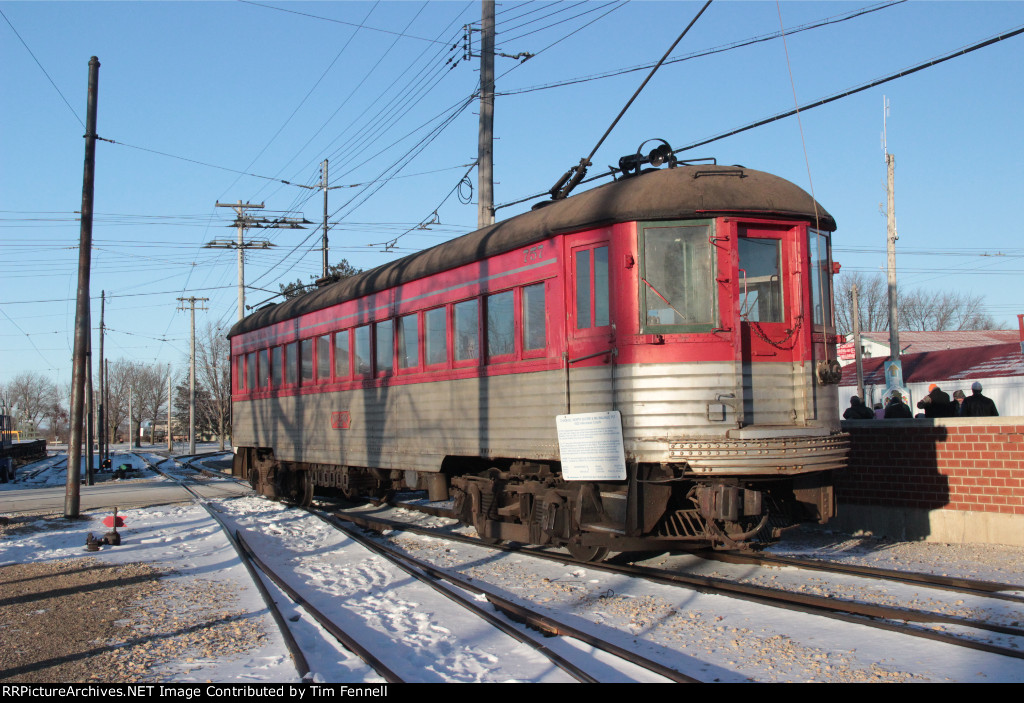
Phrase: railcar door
(771, 323)
(590, 338)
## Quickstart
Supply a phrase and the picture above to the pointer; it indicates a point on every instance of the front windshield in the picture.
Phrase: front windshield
(677, 279)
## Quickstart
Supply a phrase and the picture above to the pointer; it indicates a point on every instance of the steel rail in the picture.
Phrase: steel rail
(352, 644)
(325, 622)
(986, 589)
(518, 612)
(298, 658)
(419, 571)
(881, 617)
(967, 586)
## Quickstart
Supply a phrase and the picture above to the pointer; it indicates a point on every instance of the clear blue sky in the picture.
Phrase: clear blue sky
(226, 88)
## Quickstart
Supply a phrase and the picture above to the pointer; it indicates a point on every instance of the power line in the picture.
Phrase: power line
(709, 52)
(336, 21)
(853, 91)
(23, 43)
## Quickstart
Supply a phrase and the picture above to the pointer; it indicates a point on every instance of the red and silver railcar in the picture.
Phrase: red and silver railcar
(691, 307)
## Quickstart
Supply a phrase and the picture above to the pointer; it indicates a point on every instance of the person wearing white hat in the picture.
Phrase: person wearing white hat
(978, 405)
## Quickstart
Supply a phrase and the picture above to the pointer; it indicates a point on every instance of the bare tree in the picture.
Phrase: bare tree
(918, 309)
(32, 395)
(150, 392)
(119, 383)
(146, 384)
(213, 372)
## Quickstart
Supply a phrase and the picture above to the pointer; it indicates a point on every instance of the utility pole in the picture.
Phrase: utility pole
(90, 406)
(101, 435)
(485, 143)
(244, 222)
(856, 343)
(83, 328)
(170, 440)
(323, 182)
(891, 237)
(192, 374)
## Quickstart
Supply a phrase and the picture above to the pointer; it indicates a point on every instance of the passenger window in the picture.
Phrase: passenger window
(385, 343)
(501, 324)
(467, 330)
(277, 370)
(436, 336)
(263, 372)
(240, 372)
(291, 364)
(341, 355)
(363, 358)
(408, 342)
(534, 318)
(323, 358)
(250, 371)
(307, 361)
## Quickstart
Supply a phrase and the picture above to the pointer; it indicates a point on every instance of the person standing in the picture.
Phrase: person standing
(958, 402)
(936, 403)
(858, 411)
(978, 405)
(897, 409)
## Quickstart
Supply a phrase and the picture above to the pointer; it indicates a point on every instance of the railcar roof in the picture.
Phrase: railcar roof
(686, 192)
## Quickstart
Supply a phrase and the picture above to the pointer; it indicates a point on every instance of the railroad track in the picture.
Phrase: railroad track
(987, 589)
(423, 573)
(915, 622)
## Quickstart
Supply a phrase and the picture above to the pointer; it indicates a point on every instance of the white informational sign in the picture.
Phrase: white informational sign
(591, 446)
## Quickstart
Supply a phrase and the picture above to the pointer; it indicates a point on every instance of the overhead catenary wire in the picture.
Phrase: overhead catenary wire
(1009, 34)
(836, 19)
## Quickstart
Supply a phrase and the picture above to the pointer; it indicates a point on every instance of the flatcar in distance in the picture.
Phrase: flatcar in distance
(689, 308)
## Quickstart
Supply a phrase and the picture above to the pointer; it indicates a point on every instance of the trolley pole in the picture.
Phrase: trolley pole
(72, 493)
(485, 144)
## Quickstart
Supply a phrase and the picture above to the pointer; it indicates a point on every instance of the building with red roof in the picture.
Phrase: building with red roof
(998, 367)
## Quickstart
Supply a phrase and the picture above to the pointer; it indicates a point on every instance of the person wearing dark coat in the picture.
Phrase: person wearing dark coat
(858, 411)
(958, 402)
(897, 409)
(936, 403)
(978, 405)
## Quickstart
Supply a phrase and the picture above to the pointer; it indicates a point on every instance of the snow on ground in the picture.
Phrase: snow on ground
(710, 637)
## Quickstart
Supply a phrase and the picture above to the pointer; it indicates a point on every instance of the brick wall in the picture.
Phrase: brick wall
(969, 464)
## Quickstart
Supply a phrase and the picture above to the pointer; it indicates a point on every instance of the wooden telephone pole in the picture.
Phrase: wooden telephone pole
(485, 145)
(192, 374)
(83, 323)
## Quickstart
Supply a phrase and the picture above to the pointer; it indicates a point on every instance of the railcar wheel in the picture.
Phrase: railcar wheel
(305, 490)
(587, 553)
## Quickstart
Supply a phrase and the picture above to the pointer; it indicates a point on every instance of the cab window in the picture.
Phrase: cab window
(677, 279)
